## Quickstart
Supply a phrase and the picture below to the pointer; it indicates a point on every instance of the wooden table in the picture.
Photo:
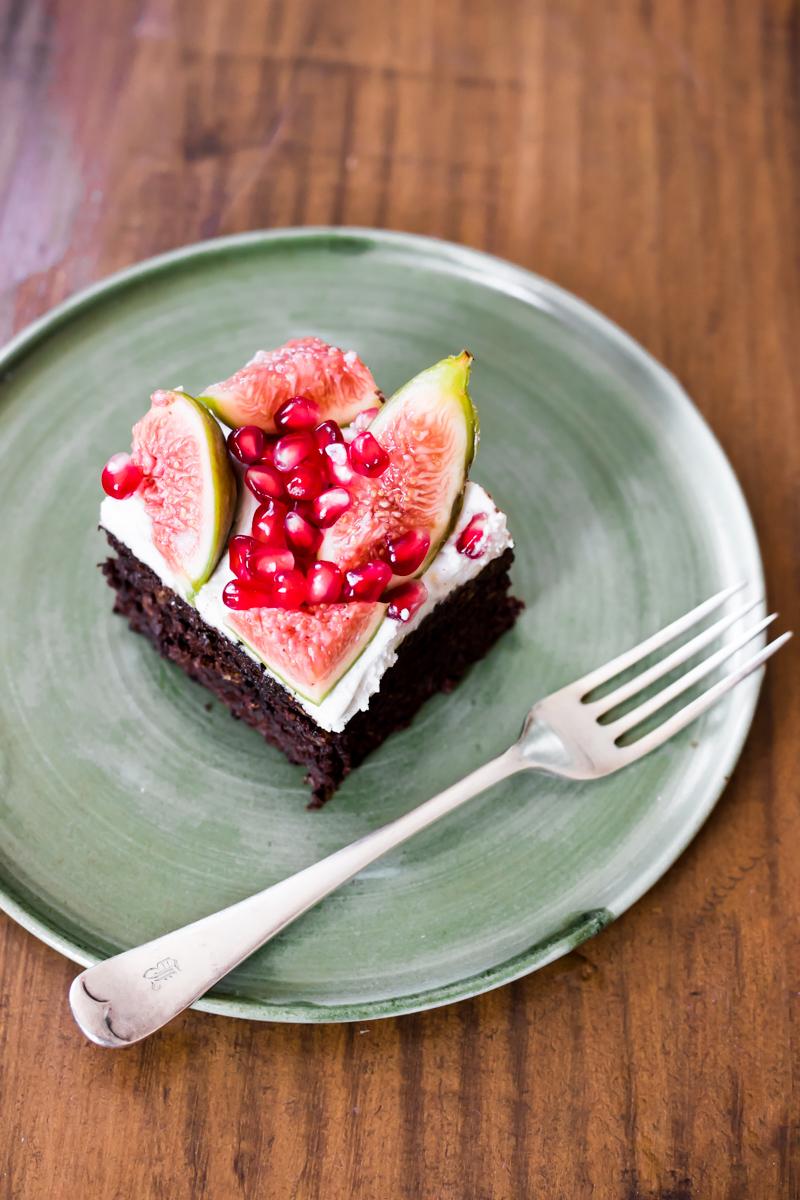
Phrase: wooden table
(645, 154)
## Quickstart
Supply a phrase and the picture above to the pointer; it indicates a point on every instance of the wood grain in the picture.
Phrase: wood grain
(646, 154)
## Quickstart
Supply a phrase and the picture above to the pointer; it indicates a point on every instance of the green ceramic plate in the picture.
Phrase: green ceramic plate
(129, 803)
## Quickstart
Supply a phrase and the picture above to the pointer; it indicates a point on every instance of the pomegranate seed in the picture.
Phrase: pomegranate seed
(406, 600)
(268, 523)
(302, 536)
(121, 476)
(239, 595)
(266, 560)
(264, 481)
(323, 583)
(292, 449)
(329, 506)
(472, 537)
(299, 412)
(337, 464)
(240, 548)
(288, 588)
(305, 482)
(303, 563)
(367, 455)
(268, 457)
(364, 418)
(327, 434)
(406, 553)
(247, 443)
(252, 561)
(367, 582)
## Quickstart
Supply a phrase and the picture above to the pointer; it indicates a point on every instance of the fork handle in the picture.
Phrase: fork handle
(127, 997)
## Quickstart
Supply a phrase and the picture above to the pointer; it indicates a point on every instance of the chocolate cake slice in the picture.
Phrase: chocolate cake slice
(322, 581)
(457, 633)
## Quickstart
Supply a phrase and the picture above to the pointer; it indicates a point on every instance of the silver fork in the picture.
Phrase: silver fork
(125, 998)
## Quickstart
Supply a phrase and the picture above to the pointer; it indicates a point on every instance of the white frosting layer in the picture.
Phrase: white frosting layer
(128, 522)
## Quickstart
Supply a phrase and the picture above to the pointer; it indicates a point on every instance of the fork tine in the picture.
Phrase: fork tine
(665, 665)
(679, 721)
(602, 674)
(648, 707)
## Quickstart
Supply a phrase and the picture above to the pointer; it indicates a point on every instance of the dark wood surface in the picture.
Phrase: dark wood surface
(647, 155)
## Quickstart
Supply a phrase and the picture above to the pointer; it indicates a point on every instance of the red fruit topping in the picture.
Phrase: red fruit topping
(367, 455)
(268, 523)
(265, 482)
(288, 588)
(268, 457)
(363, 419)
(367, 582)
(266, 560)
(299, 412)
(253, 561)
(323, 583)
(472, 538)
(329, 506)
(406, 600)
(305, 482)
(302, 536)
(337, 380)
(121, 476)
(406, 553)
(240, 548)
(327, 433)
(247, 443)
(311, 648)
(292, 449)
(239, 595)
(337, 464)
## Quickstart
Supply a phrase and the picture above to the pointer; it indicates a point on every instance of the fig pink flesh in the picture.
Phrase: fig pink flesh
(309, 648)
(336, 381)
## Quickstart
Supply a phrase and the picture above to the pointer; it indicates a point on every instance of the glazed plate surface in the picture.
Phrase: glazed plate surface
(131, 803)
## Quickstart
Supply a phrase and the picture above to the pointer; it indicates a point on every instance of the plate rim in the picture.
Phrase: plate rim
(535, 290)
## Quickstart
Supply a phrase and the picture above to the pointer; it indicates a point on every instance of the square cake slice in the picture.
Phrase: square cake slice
(325, 635)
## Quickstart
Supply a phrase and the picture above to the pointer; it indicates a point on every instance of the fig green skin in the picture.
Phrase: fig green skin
(219, 407)
(224, 485)
(449, 378)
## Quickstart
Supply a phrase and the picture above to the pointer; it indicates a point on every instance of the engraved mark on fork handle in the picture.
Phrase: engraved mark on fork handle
(164, 970)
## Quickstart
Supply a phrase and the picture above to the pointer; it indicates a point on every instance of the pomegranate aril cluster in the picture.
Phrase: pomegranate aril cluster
(308, 460)
(303, 479)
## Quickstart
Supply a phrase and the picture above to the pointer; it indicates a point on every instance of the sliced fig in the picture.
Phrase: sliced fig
(334, 380)
(430, 431)
(309, 649)
(188, 487)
